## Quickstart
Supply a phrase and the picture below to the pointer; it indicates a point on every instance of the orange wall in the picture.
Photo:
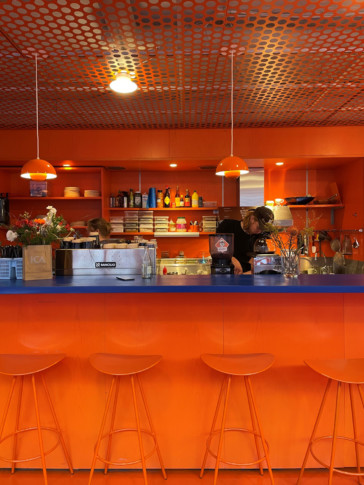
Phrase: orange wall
(182, 391)
(118, 145)
(151, 146)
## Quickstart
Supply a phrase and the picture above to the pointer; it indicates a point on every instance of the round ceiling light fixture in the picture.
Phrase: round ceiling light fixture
(279, 163)
(173, 165)
(37, 169)
(232, 166)
(123, 84)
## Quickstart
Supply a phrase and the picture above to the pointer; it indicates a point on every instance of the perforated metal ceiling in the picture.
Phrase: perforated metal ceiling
(303, 63)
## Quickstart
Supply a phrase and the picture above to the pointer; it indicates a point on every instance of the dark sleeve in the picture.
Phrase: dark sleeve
(224, 226)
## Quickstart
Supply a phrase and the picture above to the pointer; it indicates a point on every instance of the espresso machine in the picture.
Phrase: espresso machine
(221, 251)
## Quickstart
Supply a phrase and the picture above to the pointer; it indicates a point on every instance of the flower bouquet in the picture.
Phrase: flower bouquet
(38, 231)
(36, 236)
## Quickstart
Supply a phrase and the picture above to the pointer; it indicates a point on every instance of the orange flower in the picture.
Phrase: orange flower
(39, 221)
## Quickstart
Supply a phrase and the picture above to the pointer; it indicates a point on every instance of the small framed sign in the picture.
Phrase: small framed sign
(38, 189)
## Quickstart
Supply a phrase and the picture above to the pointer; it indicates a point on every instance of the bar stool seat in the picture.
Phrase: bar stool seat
(348, 372)
(20, 366)
(117, 366)
(235, 366)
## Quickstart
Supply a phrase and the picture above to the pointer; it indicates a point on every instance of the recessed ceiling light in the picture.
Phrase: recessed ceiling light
(173, 165)
(279, 163)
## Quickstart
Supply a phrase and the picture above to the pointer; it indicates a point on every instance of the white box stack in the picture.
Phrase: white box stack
(209, 223)
(161, 223)
(131, 222)
(145, 221)
(117, 223)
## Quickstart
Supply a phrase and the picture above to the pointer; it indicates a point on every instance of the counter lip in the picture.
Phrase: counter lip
(188, 284)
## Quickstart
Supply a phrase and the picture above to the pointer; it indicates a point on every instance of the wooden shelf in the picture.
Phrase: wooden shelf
(317, 206)
(55, 198)
(162, 234)
(163, 209)
(131, 233)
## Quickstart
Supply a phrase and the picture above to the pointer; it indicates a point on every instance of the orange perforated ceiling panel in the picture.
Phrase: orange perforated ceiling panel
(303, 63)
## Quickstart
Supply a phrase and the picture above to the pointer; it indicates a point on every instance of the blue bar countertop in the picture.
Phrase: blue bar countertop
(188, 284)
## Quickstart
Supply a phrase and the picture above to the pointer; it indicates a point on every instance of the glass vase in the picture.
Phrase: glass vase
(290, 264)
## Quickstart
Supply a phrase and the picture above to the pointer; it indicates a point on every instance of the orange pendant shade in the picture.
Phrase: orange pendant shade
(232, 167)
(37, 169)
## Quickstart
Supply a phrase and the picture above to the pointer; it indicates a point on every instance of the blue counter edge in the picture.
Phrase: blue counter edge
(188, 284)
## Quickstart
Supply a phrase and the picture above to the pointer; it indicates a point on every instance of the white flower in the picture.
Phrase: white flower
(11, 236)
(52, 211)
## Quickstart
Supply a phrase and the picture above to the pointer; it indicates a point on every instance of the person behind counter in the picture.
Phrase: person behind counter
(100, 227)
(246, 232)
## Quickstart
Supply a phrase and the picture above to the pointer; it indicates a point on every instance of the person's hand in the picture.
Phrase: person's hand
(237, 266)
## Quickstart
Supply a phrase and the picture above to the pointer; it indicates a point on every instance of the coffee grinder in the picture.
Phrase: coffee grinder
(221, 250)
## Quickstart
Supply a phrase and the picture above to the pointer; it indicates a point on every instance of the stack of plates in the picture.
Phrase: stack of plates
(72, 191)
(78, 223)
(91, 193)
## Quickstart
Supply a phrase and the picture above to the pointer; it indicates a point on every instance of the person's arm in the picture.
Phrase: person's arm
(237, 266)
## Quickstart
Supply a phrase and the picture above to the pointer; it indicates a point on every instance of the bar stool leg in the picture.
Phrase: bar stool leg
(213, 426)
(151, 426)
(314, 430)
(108, 452)
(251, 410)
(361, 395)
(97, 447)
(264, 444)
(17, 419)
(333, 448)
(39, 430)
(139, 431)
(7, 406)
(219, 450)
(58, 428)
(353, 415)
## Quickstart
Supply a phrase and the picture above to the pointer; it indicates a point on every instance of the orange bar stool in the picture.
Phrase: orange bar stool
(343, 371)
(243, 365)
(118, 365)
(20, 366)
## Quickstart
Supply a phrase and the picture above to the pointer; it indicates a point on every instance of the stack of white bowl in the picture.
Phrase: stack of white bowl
(72, 191)
(91, 193)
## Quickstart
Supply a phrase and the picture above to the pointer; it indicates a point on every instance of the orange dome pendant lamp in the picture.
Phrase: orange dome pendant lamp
(37, 169)
(232, 166)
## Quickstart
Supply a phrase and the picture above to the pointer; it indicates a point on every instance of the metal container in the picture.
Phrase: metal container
(83, 262)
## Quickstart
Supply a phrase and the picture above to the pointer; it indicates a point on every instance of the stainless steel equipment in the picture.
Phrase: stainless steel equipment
(83, 262)
(183, 266)
(267, 264)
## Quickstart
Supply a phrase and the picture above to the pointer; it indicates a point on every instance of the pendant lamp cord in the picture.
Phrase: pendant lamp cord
(232, 105)
(36, 101)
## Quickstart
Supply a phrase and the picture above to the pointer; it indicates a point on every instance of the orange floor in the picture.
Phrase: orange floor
(175, 477)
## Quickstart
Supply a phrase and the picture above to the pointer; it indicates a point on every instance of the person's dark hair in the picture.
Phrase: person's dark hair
(99, 224)
(262, 214)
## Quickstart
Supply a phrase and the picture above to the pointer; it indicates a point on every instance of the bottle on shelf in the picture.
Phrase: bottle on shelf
(194, 199)
(131, 198)
(167, 198)
(147, 268)
(138, 200)
(177, 198)
(182, 201)
(187, 199)
(160, 199)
